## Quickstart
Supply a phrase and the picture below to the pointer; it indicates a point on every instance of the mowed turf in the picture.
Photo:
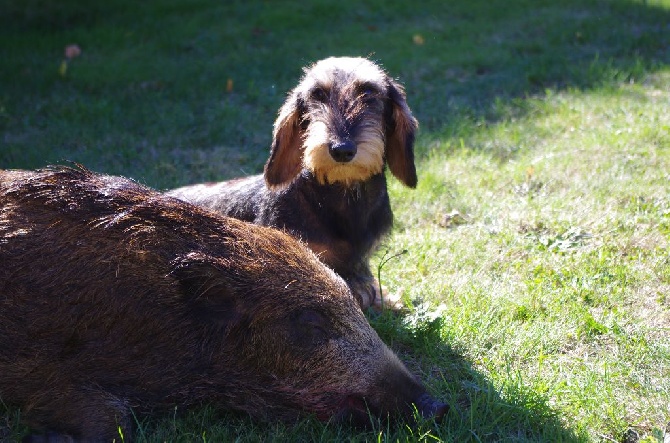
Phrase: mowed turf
(533, 255)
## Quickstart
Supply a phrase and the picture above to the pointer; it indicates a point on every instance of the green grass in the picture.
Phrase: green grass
(543, 314)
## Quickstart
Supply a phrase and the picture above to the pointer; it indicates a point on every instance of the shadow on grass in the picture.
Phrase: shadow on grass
(479, 411)
(150, 86)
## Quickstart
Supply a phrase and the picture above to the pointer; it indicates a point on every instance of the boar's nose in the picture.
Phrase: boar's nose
(428, 407)
(343, 152)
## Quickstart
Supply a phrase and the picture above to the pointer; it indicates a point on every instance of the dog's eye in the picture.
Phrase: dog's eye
(368, 91)
(319, 94)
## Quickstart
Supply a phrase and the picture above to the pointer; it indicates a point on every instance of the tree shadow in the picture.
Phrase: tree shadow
(564, 45)
(461, 61)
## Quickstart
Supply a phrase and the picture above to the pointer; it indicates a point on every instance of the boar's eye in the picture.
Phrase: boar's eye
(309, 328)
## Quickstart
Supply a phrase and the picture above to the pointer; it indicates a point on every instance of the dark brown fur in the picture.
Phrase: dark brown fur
(339, 208)
(117, 300)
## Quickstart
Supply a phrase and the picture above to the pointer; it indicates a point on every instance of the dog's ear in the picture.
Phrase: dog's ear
(285, 161)
(400, 129)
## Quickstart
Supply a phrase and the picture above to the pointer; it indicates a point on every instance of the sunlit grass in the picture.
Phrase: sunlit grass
(560, 271)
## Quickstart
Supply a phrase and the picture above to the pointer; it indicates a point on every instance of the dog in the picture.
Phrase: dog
(339, 129)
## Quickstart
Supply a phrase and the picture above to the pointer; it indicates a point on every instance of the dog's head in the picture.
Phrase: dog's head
(345, 119)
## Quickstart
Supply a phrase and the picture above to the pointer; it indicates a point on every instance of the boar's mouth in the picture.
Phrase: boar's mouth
(428, 407)
(356, 410)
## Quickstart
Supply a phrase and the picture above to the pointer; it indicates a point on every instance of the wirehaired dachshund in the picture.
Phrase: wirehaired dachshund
(345, 122)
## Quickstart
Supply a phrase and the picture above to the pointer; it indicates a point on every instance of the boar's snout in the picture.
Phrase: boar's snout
(356, 410)
(428, 407)
(397, 393)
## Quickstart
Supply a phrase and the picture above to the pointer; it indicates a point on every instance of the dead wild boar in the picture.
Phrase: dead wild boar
(116, 300)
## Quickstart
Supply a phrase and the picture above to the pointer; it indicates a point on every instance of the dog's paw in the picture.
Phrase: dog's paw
(367, 292)
(364, 289)
(387, 301)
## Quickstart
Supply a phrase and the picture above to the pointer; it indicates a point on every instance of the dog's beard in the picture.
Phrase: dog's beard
(368, 161)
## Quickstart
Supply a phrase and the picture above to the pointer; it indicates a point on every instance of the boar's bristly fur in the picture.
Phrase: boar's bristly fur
(118, 301)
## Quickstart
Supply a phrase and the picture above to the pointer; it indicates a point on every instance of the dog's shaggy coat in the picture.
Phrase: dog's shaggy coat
(345, 122)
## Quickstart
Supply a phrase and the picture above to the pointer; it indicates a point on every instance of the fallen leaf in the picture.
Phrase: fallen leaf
(454, 218)
(62, 69)
(530, 171)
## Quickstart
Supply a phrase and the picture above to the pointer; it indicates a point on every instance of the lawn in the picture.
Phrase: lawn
(534, 254)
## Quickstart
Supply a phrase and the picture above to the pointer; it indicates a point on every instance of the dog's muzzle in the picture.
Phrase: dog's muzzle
(343, 152)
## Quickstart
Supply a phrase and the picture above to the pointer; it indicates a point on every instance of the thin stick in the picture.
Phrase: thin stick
(383, 261)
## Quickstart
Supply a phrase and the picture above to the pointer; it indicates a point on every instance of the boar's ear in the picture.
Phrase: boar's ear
(206, 293)
(400, 129)
(285, 162)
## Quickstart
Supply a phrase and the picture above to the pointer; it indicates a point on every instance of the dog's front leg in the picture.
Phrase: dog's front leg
(367, 291)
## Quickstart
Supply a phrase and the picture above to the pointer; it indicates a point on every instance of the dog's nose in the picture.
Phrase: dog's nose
(343, 152)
